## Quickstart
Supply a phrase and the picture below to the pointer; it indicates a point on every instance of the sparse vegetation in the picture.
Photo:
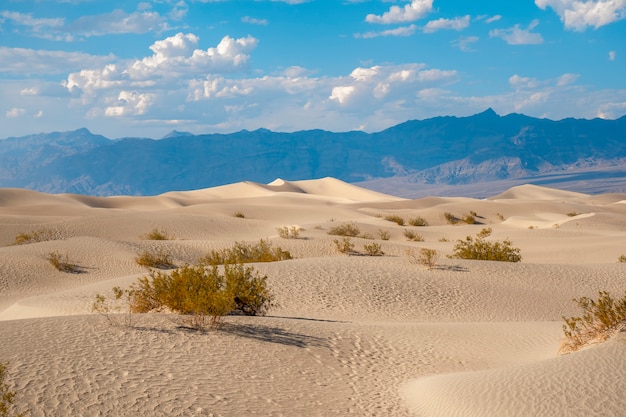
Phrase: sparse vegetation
(622, 258)
(239, 214)
(367, 236)
(600, 319)
(156, 258)
(469, 219)
(425, 256)
(108, 308)
(383, 234)
(572, 214)
(374, 249)
(242, 253)
(478, 248)
(444, 239)
(500, 216)
(418, 221)
(289, 232)
(396, 219)
(62, 262)
(41, 235)
(344, 245)
(450, 218)
(157, 234)
(412, 236)
(346, 229)
(7, 397)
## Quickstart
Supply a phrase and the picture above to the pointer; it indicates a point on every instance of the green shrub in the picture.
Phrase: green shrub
(572, 214)
(374, 249)
(7, 397)
(383, 234)
(479, 249)
(344, 245)
(41, 235)
(157, 258)
(396, 219)
(346, 229)
(600, 319)
(62, 262)
(469, 219)
(450, 218)
(289, 232)
(418, 221)
(203, 293)
(157, 234)
(107, 308)
(411, 235)
(242, 253)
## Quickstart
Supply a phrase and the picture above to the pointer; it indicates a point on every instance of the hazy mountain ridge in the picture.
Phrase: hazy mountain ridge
(441, 150)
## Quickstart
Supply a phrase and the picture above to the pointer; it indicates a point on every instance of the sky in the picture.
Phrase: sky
(145, 68)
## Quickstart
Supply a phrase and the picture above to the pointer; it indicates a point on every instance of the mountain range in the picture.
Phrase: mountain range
(429, 154)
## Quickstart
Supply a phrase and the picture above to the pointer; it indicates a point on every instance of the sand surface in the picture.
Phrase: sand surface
(352, 335)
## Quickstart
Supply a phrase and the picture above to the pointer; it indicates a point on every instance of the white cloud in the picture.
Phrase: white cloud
(118, 22)
(567, 79)
(493, 18)
(400, 31)
(612, 55)
(457, 24)
(15, 112)
(32, 61)
(579, 14)
(415, 10)
(130, 103)
(29, 91)
(517, 35)
(341, 94)
(464, 43)
(519, 82)
(254, 21)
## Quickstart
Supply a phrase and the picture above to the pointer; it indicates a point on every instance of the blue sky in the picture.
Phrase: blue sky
(144, 68)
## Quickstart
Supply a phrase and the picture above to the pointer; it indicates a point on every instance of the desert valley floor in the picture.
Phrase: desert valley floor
(351, 335)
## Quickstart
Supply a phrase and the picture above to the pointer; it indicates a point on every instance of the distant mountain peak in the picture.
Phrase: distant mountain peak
(487, 113)
(177, 134)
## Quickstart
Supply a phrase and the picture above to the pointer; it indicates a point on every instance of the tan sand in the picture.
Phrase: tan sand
(352, 335)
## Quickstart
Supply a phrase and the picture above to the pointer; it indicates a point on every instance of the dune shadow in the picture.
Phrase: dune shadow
(271, 334)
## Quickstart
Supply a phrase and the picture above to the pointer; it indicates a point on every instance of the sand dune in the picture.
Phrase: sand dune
(351, 335)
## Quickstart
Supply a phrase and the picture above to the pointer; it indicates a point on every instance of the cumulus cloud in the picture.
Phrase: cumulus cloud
(415, 10)
(579, 14)
(15, 112)
(518, 36)
(457, 24)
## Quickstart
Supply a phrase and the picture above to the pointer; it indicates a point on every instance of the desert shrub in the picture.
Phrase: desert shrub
(344, 245)
(600, 319)
(450, 218)
(444, 239)
(242, 253)
(383, 234)
(366, 235)
(7, 397)
(157, 234)
(479, 249)
(418, 221)
(289, 232)
(373, 249)
(411, 235)
(62, 262)
(346, 229)
(622, 258)
(572, 214)
(425, 256)
(469, 219)
(203, 293)
(40, 235)
(157, 258)
(500, 216)
(108, 308)
(239, 215)
(396, 219)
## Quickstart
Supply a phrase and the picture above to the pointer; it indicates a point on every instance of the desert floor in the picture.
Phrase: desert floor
(351, 335)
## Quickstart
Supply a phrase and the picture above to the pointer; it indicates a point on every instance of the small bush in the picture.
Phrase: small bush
(478, 248)
(450, 218)
(500, 216)
(242, 253)
(203, 293)
(396, 219)
(289, 232)
(469, 219)
(157, 234)
(622, 258)
(373, 249)
(572, 214)
(425, 256)
(41, 235)
(62, 262)
(600, 319)
(411, 235)
(239, 215)
(344, 245)
(107, 308)
(444, 239)
(155, 259)
(418, 221)
(346, 229)
(7, 408)
(383, 234)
